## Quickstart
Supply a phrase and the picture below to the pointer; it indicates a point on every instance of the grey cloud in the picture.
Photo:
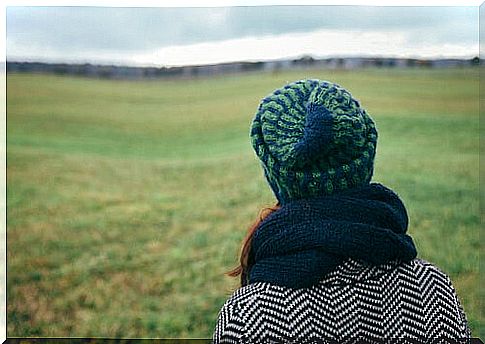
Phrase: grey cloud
(75, 29)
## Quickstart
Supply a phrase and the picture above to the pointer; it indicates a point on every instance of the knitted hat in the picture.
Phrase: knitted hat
(313, 139)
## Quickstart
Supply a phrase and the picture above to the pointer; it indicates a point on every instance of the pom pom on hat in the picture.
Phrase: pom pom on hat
(313, 139)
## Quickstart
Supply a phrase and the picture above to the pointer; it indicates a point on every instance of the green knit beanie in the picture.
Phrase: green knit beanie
(313, 139)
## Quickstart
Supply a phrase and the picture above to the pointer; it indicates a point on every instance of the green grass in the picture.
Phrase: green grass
(127, 201)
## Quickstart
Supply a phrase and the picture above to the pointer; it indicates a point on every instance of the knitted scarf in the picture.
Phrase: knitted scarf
(306, 239)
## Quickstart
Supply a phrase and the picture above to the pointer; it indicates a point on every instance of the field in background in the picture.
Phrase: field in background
(127, 201)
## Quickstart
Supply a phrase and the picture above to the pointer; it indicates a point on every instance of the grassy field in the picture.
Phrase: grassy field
(127, 201)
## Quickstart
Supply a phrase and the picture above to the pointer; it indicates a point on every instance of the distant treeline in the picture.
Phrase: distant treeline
(127, 72)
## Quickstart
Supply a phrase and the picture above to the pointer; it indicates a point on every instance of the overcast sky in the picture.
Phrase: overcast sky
(181, 36)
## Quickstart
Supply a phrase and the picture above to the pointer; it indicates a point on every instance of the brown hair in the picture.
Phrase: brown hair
(242, 268)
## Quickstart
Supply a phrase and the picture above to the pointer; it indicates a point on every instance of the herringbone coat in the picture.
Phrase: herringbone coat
(413, 299)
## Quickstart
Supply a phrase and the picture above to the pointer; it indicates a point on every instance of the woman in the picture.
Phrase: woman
(332, 259)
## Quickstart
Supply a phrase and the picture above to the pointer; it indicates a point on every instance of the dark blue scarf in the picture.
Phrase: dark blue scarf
(306, 239)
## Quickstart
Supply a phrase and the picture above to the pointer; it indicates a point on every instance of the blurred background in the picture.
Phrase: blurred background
(130, 177)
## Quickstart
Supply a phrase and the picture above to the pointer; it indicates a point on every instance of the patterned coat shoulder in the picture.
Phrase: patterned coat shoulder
(357, 300)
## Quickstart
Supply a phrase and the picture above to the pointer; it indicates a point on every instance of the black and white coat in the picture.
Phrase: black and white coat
(357, 300)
